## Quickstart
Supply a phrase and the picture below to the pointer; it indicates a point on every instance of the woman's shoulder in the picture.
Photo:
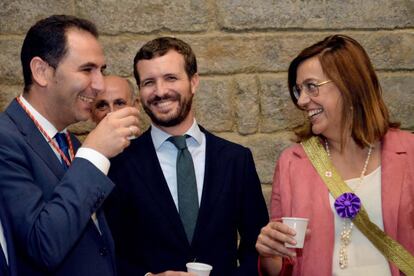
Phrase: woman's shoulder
(399, 138)
(294, 151)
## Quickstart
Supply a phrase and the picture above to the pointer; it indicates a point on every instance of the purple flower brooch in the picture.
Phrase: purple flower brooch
(347, 205)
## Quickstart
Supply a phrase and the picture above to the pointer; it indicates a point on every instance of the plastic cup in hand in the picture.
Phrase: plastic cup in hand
(199, 269)
(299, 225)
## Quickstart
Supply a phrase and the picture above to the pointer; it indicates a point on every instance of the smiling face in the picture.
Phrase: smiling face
(166, 91)
(74, 84)
(324, 111)
(116, 95)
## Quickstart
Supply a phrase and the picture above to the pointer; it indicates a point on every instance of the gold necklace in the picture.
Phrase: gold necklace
(346, 232)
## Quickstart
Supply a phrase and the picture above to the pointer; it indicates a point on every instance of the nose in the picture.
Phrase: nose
(97, 83)
(160, 88)
(112, 107)
(304, 99)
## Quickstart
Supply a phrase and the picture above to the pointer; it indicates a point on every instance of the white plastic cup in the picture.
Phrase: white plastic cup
(199, 269)
(299, 225)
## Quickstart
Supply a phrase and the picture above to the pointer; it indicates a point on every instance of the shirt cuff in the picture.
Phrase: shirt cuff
(96, 158)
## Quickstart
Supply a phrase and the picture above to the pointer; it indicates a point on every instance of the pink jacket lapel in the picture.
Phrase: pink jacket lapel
(392, 177)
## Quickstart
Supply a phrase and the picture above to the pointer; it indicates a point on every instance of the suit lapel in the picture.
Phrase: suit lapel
(212, 185)
(157, 185)
(34, 138)
(393, 170)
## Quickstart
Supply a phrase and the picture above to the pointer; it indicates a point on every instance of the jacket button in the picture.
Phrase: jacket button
(101, 198)
(103, 251)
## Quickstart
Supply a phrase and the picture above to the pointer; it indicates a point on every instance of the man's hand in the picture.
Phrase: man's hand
(110, 137)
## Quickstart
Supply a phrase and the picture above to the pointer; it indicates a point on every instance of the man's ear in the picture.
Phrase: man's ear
(136, 102)
(195, 80)
(41, 71)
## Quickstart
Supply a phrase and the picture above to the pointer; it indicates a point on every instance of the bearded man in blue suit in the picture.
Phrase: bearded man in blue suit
(159, 221)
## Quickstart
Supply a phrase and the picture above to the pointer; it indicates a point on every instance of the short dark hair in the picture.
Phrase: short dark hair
(346, 63)
(159, 47)
(47, 39)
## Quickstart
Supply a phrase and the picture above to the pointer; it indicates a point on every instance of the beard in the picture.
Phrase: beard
(177, 116)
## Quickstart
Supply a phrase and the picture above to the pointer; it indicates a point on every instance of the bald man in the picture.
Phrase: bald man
(118, 93)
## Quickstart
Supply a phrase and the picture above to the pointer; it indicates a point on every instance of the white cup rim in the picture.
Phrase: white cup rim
(294, 218)
(196, 265)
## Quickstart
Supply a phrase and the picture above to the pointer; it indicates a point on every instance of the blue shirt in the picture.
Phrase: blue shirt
(167, 156)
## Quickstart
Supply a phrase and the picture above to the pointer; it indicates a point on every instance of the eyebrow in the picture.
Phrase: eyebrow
(309, 80)
(91, 64)
(101, 103)
(117, 100)
(147, 79)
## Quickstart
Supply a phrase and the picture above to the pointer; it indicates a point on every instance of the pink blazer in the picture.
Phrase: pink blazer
(298, 191)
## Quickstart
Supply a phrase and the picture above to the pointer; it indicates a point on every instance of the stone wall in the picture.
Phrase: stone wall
(243, 49)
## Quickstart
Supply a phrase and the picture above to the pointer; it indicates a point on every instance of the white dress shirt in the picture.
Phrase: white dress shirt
(96, 158)
(167, 156)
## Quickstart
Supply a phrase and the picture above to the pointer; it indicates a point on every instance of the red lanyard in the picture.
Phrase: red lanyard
(52, 142)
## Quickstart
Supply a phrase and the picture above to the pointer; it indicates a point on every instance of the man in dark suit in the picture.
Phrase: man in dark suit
(52, 186)
(7, 255)
(158, 222)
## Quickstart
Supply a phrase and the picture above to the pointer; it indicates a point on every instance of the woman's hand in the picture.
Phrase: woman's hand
(272, 238)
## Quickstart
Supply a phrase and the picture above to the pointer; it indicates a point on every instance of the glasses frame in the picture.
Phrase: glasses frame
(297, 93)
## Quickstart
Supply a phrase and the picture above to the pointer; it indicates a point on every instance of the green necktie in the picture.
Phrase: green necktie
(186, 186)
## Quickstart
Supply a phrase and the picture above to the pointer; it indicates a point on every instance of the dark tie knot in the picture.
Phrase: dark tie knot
(179, 141)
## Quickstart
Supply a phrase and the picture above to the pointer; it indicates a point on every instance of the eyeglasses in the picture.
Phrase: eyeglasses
(310, 88)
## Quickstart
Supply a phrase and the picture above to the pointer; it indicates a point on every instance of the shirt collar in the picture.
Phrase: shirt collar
(43, 122)
(159, 136)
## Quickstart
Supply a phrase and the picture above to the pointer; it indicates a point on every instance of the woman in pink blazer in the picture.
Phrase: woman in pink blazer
(333, 81)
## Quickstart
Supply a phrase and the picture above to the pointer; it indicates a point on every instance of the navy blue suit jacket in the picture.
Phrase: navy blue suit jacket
(50, 208)
(10, 269)
(146, 226)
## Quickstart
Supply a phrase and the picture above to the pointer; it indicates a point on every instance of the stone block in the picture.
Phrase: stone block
(247, 104)
(257, 53)
(213, 104)
(248, 53)
(277, 109)
(120, 53)
(17, 16)
(10, 65)
(388, 50)
(314, 14)
(7, 93)
(266, 148)
(132, 16)
(398, 93)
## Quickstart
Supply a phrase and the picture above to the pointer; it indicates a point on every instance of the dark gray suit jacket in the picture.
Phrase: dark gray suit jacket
(146, 226)
(50, 208)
